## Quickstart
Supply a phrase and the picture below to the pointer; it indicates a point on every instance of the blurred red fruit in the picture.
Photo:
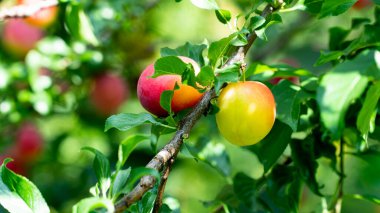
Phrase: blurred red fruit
(42, 18)
(29, 143)
(360, 4)
(295, 80)
(20, 37)
(108, 93)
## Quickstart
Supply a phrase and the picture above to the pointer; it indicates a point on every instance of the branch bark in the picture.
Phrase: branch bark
(171, 149)
(26, 10)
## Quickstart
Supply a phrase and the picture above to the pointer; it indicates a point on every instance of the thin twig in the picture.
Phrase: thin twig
(26, 10)
(172, 148)
(161, 187)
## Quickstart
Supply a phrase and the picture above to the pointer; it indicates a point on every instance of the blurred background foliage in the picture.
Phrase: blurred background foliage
(57, 88)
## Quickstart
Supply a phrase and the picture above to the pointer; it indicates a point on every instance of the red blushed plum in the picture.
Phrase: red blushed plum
(149, 90)
(293, 79)
(42, 18)
(108, 93)
(29, 143)
(360, 4)
(20, 37)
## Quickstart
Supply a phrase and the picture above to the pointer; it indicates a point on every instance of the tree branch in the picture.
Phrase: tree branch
(171, 149)
(161, 187)
(26, 10)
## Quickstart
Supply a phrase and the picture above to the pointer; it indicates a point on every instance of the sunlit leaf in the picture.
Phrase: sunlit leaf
(88, 205)
(192, 51)
(120, 181)
(206, 4)
(102, 169)
(126, 121)
(223, 16)
(218, 49)
(126, 147)
(79, 24)
(368, 110)
(18, 194)
(169, 65)
(339, 88)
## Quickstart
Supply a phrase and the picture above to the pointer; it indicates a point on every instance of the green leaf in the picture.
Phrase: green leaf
(126, 147)
(223, 16)
(206, 4)
(157, 131)
(314, 6)
(339, 88)
(256, 22)
(88, 205)
(212, 153)
(245, 189)
(206, 76)
(337, 37)
(218, 49)
(334, 7)
(369, 109)
(18, 194)
(273, 145)
(189, 50)
(352, 137)
(145, 205)
(169, 65)
(303, 155)
(166, 100)
(79, 24)
(372, 198)
(282, 191)
(288, 98)
(239, 40)
(102, 169)
(119, 182)
(273, 18)
(137, 174)
(126, 121)
(328, 56)
(225, 196)
(225, 75)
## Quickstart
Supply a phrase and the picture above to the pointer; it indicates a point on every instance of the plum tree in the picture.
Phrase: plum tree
(109, 91)
(149, 90)
(19, 37)
(246, 112)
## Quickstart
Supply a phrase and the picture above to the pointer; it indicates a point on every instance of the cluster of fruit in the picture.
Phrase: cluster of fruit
(246, 109)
